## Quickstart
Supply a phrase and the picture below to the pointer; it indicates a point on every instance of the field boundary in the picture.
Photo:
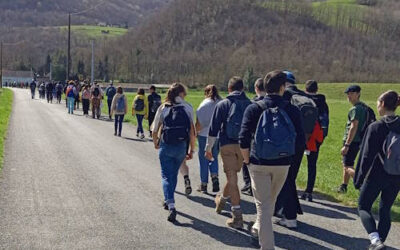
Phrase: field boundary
(6, 104)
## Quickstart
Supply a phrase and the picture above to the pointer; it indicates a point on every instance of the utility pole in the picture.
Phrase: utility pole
(92, 72)
(51, 69)
(1, 65)
(69, 46)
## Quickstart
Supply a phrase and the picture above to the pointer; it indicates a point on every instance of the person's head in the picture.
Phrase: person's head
(388, 102)
(290, 79)
(71, 83)
(176, 89)
(152, 89)
(235, 84)
(274, 82)
(311, 87)
(211, 91)
(140, 91)
(353, 93)
(95, 83)
(259, 87)
(120, 90)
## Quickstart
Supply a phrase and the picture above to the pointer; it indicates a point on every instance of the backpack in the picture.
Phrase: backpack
(369, 119)
(176, 126)
(275, 135)
(96, 92)
(235, 118)
(111, 92)
(139, 104)
(308, 110)
(70, 91)
(156, 104)
(391, 149)
(120, 107)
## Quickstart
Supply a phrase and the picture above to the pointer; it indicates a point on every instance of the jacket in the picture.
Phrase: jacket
(114, 104)
(369, 164)
(145, 111)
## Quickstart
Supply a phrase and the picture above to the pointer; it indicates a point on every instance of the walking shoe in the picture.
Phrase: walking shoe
(142, 137)
(237, 219)
(119, 134)
(165, 206)
(291, 224)
(377, 246)
(202, 188)
(137, 135)
(215, 184)
(172, 215)
(219, 203)
(246, 187)
(342, 189)
(188, 187)
(115, 133)
(307, 196)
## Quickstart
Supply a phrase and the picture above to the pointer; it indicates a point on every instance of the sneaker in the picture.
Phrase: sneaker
(291, 224)
(237, 219)
(119, 135)
(342, 189)
(137, 135)
(142, 137)
(377, 246)
(219, 203)
(188, 187)
(172, 215)
(246, 187)
(215, 184)
(115, 133)
(165, 206)
(202, 188)
(307, 196)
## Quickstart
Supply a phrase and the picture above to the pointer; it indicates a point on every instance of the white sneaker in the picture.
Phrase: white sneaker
(291, 224)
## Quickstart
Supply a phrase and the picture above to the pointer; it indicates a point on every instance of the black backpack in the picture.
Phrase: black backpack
(308, 110)
(139, 104)
(176, 126)
(370, 118)
(96, 92)
(156, 104)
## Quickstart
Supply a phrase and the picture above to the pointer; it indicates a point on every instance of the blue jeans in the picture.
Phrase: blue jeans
(206, 165)
(139, 124)
(118, 123)
(171, 158)
(71, 102)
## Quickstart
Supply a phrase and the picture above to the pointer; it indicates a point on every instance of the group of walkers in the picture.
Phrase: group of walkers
(265, 138)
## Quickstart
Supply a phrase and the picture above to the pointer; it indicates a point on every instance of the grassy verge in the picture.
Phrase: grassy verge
(96, 31)
(6, 98)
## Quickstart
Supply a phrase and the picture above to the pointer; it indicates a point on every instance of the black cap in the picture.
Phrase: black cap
(353, 88)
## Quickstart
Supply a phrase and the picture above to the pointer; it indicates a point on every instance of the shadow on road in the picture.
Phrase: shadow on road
(134, 139)
(328, 213)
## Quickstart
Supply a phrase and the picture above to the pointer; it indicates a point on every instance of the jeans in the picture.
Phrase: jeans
(206, 165)
(71, 101)
(171, 158)
(139, 124)
(388, 189)
(85, 104)
(118, 123)
(33, 93)
(312, 159)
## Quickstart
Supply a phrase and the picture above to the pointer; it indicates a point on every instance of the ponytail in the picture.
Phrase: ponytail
(174, 91)
(390, 99)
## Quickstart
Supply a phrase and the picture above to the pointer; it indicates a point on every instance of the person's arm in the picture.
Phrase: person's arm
(155, 127)
(350, 136)
(248, 128)
(198, 125)
(133, 105)
(192, 145)
(215, 127)
(146, 108)
(126, 105)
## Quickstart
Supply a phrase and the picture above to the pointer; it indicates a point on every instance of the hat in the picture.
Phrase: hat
(353, 88)
(290, 77)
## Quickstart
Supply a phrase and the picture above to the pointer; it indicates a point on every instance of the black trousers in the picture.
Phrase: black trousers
(109, 102)
(85, 106)
(378, 184)
(312, 159)
(151, 119)
(246, 175)
(287, 203)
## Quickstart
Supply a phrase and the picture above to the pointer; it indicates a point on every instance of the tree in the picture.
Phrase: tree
(249, 79)
(100, 70)
(106, 69)
(81, 68)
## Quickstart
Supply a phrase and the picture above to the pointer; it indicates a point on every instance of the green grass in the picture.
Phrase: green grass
(329, 174)
(96, 31)
(6, 98)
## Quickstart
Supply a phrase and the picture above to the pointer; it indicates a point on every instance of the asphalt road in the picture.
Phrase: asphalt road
(68, 183)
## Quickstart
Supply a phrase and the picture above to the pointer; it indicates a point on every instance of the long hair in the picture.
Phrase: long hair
(390, 99)
(211, 91)
(174, 91)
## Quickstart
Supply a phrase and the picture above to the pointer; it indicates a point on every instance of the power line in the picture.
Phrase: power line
(89, 9)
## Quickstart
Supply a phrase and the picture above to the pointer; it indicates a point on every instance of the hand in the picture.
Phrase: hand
(345, 150)
(156, 146)
(208, 155)
(189, 156)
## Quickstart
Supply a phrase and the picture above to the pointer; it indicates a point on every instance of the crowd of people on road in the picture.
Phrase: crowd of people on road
(265, 139)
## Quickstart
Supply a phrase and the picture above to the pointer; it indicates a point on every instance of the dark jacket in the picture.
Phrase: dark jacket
(250, 122)
(291, 90)
(323, 109)
(220, 116)
(150, 99)
(369, 164)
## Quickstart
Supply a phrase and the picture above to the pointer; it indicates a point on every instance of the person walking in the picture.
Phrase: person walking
(204, 114)
(225, 124)
(287, 205)
(318, 136)
(110, 93)
(140, 108)
(175, 138)
(353, 135)
(154, 101)
(260, 94)
(267, 141)
(96, 96)
(378, 169)
(78, 95)
(33, 89)
(70, 93)
(119, 108)
(49, 92)
(59, 90)
(86, 100)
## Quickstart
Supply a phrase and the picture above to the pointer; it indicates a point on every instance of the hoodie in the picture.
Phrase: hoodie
(369, 164)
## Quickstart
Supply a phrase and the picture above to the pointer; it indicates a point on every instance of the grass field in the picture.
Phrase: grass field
(329, 174)
(96, 31)
(6, 98)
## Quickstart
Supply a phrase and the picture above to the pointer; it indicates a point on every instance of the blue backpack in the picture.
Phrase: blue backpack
(121, 104)
(275, 136)
(176, 126)
(235, 118)
(111, 92)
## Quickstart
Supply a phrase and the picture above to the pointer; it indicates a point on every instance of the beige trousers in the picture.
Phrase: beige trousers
(266, 182)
